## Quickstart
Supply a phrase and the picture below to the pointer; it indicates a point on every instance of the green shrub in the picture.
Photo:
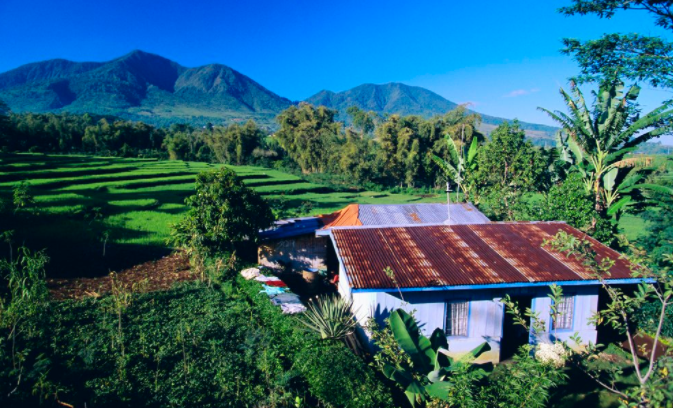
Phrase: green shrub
(338, 378)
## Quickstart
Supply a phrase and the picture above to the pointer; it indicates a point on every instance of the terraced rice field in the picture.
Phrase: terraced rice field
(81, 200)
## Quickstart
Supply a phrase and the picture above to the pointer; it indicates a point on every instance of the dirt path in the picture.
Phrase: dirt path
(149, 276)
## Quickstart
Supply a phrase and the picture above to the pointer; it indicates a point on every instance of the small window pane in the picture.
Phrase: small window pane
(456, 318)
(565, 310)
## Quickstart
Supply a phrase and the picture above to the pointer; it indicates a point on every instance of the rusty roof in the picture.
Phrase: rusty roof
(457, 255)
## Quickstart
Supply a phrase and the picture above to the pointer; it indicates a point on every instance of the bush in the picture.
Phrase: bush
(647, 318)
(570, 202)
(340, 379)
(334, 375)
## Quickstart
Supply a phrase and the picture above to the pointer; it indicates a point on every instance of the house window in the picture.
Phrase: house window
(565, 312)
(456, 318)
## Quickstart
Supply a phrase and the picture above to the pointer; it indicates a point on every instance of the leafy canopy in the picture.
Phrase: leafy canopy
(632, 56)
(222, 213)
(508, 166)
(597, 140)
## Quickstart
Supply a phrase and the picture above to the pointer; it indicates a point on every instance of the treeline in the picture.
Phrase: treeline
(372, 150)
(110, 136)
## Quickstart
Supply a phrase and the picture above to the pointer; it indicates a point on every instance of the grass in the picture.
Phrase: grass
(81, 200)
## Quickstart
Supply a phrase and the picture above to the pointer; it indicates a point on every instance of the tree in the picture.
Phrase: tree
(222, 213)
(235, 143)
(178, 146)
(22, 197)
(596, 141)
(357, 157)
(632, 56)
(655, 382)
(462, 126)
(508, 166)
(308, 135)
(363, 121)
(569, 201)
(393, 136)
(5, 124)
(659, 238)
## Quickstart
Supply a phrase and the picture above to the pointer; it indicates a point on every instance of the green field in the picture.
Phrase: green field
(81, 199)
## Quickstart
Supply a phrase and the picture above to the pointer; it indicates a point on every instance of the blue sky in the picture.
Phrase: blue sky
(503, 57)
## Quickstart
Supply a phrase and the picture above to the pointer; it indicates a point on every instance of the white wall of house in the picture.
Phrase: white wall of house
(586, 305)
(484, 322)
(486, 312)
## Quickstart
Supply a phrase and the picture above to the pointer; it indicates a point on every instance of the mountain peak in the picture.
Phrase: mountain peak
(143, 86)
(140, 54)
(392, 97)
(402, 99)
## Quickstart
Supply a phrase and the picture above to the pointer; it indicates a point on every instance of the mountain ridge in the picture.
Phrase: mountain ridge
(140, 86)
(406, 99)
(148, 87)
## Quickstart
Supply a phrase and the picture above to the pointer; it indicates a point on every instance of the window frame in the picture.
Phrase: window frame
(573, 304)
(468, 313)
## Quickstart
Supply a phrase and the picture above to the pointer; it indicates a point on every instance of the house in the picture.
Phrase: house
(454, 277)
(293, 243)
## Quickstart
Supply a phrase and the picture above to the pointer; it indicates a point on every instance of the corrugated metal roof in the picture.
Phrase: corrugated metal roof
(292, 227)
(346, 217)
(440, 255)
(406, 214)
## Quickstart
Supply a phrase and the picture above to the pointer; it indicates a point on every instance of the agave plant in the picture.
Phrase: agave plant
(432, 365)
(330, 316)
(596, 141)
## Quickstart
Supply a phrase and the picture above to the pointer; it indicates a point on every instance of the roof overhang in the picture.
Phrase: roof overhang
(633, 281)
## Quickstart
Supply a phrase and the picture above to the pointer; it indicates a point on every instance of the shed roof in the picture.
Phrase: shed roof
(405, 214)
(292, 227)
(462, 255)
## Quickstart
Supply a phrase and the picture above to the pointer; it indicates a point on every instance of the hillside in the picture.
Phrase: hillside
(158, 91)
(397, 98)
(140, 86)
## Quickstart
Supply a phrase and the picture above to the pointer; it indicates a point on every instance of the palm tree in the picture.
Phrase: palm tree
(596, 141)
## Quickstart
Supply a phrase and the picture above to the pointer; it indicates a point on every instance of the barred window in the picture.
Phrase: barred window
(565, 313)
(456, 318)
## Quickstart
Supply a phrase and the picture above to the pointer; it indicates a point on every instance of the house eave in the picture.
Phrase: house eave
(632, 281)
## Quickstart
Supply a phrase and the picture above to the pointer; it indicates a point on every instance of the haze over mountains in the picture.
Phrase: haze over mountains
(148, 87)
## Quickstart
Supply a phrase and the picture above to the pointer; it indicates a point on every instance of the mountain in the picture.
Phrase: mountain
(140, 86)
(156, 90)
(388, 98)
(404, 99)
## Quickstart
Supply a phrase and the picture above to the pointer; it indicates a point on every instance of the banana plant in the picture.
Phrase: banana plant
(598, 139)
(622, 189)
(431, 365)
(461, 161)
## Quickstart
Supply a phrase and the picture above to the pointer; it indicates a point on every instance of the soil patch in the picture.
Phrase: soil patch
(645, 340)
(150, 276)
